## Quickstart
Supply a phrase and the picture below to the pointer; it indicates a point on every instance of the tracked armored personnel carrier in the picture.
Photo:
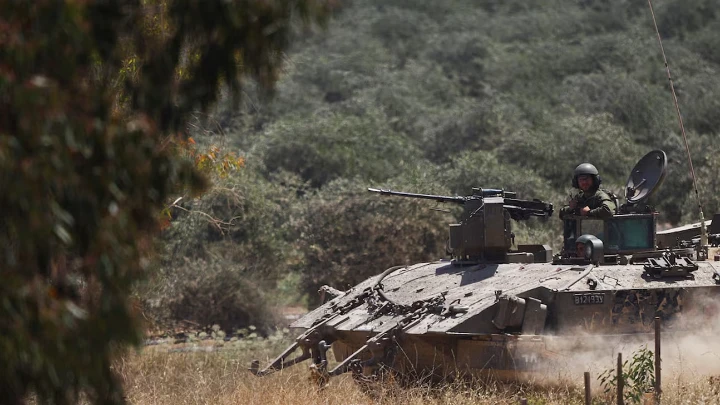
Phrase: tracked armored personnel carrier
(496, 307)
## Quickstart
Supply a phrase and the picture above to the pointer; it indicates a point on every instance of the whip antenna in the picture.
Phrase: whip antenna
(703, 230)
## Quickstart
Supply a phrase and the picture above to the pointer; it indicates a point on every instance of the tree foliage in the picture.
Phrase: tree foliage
(91, 94)
(336, 145)
(348, 236)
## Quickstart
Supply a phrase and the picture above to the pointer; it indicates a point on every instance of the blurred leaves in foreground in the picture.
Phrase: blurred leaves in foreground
(92, 96)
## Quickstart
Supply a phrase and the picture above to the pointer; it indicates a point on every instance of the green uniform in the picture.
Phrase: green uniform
(600, 204)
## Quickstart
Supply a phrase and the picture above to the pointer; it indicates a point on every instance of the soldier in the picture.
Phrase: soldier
(590, 201)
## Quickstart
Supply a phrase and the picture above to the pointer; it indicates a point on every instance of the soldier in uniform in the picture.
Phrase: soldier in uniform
(590, 200)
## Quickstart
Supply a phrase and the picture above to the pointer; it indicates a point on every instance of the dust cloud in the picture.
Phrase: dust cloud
(689, 347)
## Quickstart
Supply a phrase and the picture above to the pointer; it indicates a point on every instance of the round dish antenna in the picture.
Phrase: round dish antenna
(645, 177)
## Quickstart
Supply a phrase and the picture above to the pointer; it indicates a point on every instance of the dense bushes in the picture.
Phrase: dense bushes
(680, 17)
(334, 145)
(484, 169)
(203, 293)
(706, 42)
(223, 253)
(347, 235)
(575, 139)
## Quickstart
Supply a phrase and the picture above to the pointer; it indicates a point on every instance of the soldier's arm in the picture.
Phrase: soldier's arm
(570, 209)
(606, 208)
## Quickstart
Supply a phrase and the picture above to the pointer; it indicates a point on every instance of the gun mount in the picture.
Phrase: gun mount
(484, 233)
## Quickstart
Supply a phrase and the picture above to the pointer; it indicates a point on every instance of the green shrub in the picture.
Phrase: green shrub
(700, 104)
(677, 18)
(484, 169)
(412, 96)
(643, 110)
(224, 253)
(554, 152)
(348, 235)
(445, 134)
(462, 57)
(637, 374)
(706, 42)
(325, 147)
(403, 32)
(213, 292)
(244, 209)
(430, 8)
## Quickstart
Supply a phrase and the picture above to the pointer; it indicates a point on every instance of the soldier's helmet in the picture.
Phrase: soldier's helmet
(586, 169)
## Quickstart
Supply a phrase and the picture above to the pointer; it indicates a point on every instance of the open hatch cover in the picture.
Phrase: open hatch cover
(645, 177)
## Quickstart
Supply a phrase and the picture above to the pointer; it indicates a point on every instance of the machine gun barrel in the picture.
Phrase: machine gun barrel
(518, 209)
(438, 198)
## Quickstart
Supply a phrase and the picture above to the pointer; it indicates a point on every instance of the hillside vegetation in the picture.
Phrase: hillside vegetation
(434, 97)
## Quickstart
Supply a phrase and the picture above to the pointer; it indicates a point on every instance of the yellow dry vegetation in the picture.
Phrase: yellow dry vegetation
(205, 375)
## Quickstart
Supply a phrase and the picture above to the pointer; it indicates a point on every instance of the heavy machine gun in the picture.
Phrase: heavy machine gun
(484, 233)
(518, 209)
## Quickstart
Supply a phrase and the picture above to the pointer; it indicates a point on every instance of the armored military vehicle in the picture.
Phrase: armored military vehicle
(496, 307)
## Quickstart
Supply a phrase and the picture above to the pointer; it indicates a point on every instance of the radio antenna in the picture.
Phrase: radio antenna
(703, 230)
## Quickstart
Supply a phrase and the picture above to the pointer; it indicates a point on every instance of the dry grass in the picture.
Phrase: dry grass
(159, 375)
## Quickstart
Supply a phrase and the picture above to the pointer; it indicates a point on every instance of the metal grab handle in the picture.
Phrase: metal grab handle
(343, 367)
(279, 363)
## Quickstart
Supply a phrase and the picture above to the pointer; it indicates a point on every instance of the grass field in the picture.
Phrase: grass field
(209, 374)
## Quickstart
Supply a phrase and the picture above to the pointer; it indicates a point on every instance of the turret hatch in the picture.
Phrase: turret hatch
(645, 178)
